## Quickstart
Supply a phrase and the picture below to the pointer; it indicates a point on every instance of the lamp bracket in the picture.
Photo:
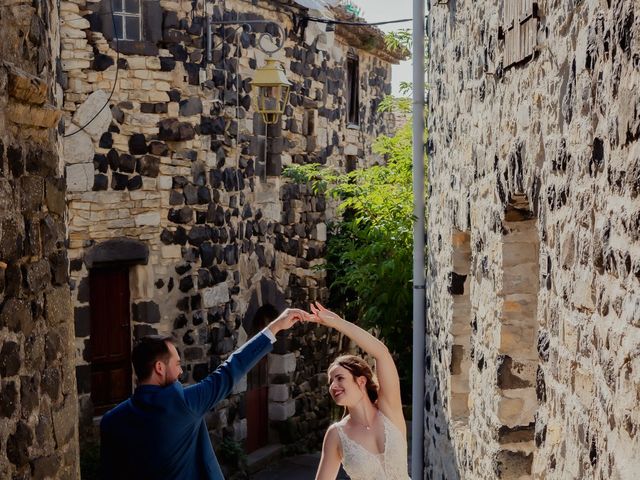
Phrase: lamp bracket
(276, 41)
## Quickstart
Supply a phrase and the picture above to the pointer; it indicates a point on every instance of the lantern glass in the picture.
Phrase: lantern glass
(273, 91)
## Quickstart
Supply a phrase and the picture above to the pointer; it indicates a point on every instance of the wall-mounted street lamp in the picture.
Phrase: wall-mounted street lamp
(273, 91)
(270, 80)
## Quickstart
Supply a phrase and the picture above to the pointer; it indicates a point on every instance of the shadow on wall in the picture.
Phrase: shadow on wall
(439, 454)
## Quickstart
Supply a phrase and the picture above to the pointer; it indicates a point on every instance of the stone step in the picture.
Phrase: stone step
(264, 456)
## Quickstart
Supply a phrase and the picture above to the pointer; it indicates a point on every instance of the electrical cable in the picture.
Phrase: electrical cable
(115, 82)
(362, 24)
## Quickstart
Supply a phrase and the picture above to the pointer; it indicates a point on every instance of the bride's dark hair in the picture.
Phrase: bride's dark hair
(359, 368)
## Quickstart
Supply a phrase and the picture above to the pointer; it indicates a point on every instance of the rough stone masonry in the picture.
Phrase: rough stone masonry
(533, 361)
(38, 401)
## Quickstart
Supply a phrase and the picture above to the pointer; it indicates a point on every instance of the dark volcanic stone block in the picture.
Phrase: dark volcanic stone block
(158, 148)
(167, 237)
(8, 399)
(179, 181)
(100, 182)
(192, 106)
(215, 178)
(190, 194)
(59, 267)
(106, 141)
(176, 198)
(135, 183)
(167, 64)
(127, 163)
(137, 144)
(114, 159)
(149, 166)
(173, 130)
(82, 321)
(147, 312)
(142, 329)
(18, 445)
(100, 162)
(204, 195)
(182, 215)
(206, 254)
(9, 359)
(198, 235)
(180, 236)
(119, 181)
(101, 62)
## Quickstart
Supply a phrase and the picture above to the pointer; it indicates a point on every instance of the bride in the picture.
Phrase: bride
(370, 441)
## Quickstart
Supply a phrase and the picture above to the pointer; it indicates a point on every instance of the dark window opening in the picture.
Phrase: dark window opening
(353, 91)
(352, 163)
(309, 122)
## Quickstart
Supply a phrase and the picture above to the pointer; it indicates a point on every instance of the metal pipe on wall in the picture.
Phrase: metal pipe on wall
(417, 422)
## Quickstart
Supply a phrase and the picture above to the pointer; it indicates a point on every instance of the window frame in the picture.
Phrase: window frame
(124, 14)
(353, 85)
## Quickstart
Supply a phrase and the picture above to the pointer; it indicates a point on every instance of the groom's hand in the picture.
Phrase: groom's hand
(287, 319)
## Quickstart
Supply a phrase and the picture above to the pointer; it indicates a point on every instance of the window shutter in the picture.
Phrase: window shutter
(520, 27)
(528, 28)
(152, 20)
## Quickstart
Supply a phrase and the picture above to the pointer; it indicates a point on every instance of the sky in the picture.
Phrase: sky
(385, 10)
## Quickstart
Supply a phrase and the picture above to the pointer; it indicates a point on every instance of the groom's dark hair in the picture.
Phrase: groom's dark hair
(148, 351)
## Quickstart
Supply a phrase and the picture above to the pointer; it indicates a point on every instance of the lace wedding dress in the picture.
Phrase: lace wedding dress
(361, 464)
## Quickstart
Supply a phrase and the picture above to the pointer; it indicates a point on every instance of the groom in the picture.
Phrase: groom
(160, 433)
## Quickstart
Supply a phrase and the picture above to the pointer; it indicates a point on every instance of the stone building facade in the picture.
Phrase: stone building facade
(179, 219)
(38, 401)
(533, 358)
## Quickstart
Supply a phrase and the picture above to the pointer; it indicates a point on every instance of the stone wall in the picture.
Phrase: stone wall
(533, 359)
(177, 163)
(38, 402)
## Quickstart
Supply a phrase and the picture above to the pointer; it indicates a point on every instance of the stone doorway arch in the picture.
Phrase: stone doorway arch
(265, 304)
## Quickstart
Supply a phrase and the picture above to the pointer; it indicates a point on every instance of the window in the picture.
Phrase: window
(127, 19)
(353, 91)
(352, 163)
(520, 30)
(133, 27)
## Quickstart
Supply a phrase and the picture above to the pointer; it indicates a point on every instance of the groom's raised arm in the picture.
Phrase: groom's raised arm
(204, 395)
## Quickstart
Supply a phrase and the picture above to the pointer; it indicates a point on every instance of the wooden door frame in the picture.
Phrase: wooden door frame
(126, 335)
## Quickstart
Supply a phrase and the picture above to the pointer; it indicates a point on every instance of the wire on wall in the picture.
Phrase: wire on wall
(115, 82)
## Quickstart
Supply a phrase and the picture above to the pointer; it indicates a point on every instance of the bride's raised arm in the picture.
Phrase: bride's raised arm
(389, 401)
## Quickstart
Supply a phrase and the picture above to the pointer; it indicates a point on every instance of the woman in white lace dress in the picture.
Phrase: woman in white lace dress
(370, 441)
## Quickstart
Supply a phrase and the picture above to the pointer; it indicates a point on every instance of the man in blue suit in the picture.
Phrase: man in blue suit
(160, 432)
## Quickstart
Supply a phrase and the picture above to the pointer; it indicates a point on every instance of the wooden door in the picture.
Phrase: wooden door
(257, 396)
(257, 402)
(110, 337)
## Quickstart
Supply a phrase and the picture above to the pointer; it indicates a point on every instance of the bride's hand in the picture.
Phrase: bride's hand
(323, 316)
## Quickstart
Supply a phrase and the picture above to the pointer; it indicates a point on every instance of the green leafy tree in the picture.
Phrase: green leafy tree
(369, 251)
(400, 40)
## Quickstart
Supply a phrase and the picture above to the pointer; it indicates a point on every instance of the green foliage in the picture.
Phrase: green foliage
(232, 454)
(315, 175)
(395, 104)
(369, 252)
(399, 39)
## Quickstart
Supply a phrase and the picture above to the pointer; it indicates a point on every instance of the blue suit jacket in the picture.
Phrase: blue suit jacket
(160, 433)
